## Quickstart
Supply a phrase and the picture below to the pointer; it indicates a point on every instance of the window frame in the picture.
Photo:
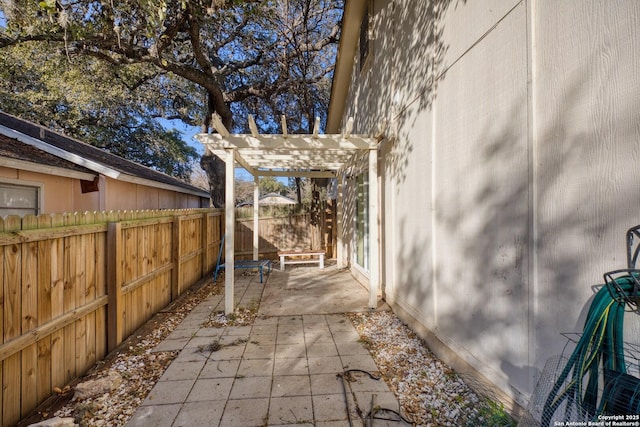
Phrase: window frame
(16, 183)
(365, 43)
(361, 222)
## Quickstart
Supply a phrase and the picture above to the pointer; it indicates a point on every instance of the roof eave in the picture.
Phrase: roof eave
(45, 169)
(349, 39)
(63, 154)
(157, 184)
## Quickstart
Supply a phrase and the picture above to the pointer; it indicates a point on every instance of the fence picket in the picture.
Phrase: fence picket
(11, 380)
(29, 307)
(58, 375)
(74, 286)
(45, 269)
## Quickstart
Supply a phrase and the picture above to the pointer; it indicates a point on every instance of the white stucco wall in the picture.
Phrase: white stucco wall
(510, 174)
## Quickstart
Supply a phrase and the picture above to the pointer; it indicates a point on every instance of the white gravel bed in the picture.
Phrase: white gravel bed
(430, 393)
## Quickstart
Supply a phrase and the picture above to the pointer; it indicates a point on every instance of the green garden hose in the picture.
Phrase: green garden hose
(599, 350)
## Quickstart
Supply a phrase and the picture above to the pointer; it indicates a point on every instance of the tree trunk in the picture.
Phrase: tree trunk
(216, 172)
(212, 164)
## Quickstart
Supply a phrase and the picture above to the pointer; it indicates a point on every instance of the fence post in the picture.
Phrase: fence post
(176, 252)
(205, 244)
(114, 285)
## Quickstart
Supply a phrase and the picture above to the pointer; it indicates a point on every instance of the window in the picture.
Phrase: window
(364, 37)
(362, 221)
(19, 199)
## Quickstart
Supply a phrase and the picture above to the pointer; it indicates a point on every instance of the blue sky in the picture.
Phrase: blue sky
(185, 130)
(188, 132)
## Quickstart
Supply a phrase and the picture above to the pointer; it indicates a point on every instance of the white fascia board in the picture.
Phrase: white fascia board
(44, 169)
(345, 60)
(150, 183)
(58, 152)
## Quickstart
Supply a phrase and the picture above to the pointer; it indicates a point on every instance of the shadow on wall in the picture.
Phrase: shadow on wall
(403, 72)
(481, 295)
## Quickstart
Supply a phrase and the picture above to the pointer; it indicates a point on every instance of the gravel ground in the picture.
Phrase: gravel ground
(430, 392)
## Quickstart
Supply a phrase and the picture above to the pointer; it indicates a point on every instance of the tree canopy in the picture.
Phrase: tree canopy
(169, 59)
(92, 102)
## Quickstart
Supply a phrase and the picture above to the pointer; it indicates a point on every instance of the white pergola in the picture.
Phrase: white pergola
(293, 155)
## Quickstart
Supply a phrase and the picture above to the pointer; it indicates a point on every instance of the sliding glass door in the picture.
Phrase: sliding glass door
(362, 221)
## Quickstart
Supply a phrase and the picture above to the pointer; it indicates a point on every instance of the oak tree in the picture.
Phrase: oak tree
(187, 60)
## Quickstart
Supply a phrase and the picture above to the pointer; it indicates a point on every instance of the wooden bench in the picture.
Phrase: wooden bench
(310, 258)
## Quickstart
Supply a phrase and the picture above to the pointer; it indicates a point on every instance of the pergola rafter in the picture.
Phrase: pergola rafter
(293, 155)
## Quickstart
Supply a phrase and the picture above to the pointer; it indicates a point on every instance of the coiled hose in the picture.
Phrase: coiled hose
(599, 350)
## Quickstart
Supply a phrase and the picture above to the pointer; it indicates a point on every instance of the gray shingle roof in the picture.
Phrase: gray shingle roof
(14, 149)
(79, 148)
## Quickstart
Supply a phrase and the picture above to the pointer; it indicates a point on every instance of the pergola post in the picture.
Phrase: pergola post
(230, 222)
(256, 216)
(374, 275)
(339, 212)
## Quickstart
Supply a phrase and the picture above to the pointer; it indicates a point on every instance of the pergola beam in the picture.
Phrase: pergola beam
(245, 164)
(346, 132)
(253, 127)
(301, 142)
(292, 164)
(216, 121)
(297, 174)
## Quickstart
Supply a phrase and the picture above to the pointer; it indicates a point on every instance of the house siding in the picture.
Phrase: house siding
(509, 173)
(61, 194)
(57, 191)
(127, 195)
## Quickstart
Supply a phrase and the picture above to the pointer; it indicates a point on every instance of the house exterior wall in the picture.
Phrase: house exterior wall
(63, 194)
(57, 192)
(128, 195)
(509, 173)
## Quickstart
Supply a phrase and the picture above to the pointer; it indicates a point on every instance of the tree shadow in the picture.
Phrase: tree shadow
(497, 250)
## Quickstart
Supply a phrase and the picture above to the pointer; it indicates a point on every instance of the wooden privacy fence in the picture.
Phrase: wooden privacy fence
(284, 231)
(74, 286)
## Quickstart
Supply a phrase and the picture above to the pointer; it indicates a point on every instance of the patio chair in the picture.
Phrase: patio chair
(250, 263)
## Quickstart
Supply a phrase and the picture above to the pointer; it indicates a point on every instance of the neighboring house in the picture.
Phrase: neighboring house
(275, 199)
(270, 199)
(42, 171)
(509, 169)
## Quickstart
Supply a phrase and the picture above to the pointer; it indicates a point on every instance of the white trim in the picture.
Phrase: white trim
(151, 183)
(44, 169)
(78, 160)
(256, 217)
(374, 241)
(349, 40)
(230, 220)
(58, 152)
(289, 142)
(339, 224)
(297, 174)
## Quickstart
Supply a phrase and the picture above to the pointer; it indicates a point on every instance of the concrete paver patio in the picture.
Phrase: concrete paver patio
(285, 369)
